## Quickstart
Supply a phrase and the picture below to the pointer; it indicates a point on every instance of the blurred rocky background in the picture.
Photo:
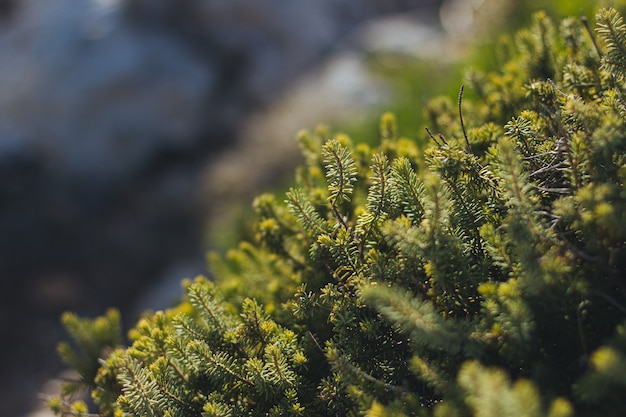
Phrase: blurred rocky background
(125, 126)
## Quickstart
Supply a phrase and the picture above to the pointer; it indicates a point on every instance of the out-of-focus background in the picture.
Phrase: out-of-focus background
(132, 133)
(114, 117)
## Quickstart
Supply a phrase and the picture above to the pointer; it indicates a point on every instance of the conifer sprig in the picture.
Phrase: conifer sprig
(140, 391)
(340, 171)
(417, 317)
(378, 199)
(306, 213)
(407, 189)
(612, 31)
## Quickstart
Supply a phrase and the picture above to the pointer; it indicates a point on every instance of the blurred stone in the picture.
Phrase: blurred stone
(97, 98)
(467, 20)
(402, 34)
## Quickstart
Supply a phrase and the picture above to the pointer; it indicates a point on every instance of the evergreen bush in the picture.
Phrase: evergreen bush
(480, 274)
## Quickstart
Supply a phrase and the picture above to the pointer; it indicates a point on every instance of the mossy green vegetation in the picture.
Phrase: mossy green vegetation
(480, 274)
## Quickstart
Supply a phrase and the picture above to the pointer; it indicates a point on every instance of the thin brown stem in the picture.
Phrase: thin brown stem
(469, 148)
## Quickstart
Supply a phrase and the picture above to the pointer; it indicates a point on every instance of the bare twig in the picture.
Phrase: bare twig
(469, 148)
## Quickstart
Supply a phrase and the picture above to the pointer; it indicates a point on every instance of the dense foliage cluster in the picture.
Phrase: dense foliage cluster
(481, 274)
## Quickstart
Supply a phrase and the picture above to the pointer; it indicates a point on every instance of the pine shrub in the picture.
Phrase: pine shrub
(479, 270)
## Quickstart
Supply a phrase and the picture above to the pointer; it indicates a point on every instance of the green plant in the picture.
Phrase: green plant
(481, 276)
